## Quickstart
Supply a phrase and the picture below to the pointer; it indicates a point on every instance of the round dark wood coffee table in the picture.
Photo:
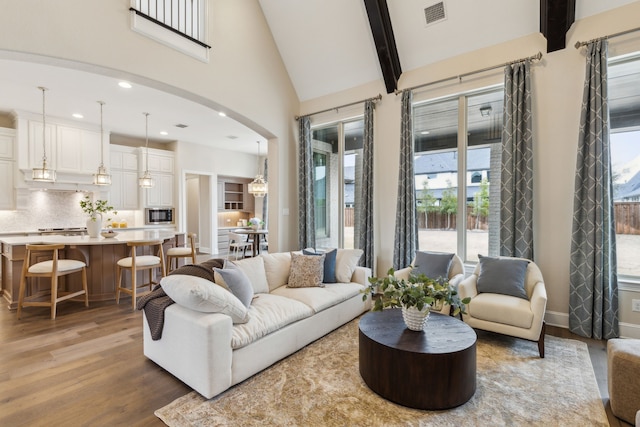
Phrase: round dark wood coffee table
(431, 369)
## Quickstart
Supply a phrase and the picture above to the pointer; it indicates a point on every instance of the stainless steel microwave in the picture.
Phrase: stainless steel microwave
(154, 216)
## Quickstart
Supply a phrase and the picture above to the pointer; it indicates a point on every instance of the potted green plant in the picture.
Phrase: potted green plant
(416, 295)
(95, 210)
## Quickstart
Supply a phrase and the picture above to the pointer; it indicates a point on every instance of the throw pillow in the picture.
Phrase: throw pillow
(329, 264)
(502, 276)
(434, 265)
(306, 271)
(237, 282)
(346, 263)
(254, 269)
(202, 295)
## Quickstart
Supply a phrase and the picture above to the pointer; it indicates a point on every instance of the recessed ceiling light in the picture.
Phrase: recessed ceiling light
(424, 132)
(125, 85)
(222, 114)
(78, 116)
(164, 132)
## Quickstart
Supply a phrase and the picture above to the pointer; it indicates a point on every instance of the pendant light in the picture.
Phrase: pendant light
(43, 174)
(258, 187)
(101, 177)
(146, 181)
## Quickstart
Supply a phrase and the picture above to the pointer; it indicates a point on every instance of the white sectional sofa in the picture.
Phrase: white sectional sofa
(210, 353)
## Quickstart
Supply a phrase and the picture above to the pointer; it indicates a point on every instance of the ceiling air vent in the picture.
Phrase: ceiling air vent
(435, 13)
(181, 126)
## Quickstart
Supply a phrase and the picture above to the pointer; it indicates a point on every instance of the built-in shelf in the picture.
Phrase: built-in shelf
(233, 195)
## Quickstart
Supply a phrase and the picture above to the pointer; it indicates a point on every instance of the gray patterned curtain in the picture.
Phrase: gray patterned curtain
(365, 220)
(516, 206)
(306, 221)
(593, 291)
(406, 236)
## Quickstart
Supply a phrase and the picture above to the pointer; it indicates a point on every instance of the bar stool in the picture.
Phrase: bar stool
(52, 268)
(182, 252)
(136, 262)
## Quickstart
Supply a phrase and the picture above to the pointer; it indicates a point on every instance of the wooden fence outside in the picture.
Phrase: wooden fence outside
(627, 215)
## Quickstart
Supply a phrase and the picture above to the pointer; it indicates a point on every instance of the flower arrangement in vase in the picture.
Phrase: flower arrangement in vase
(416, 296)
(256, 223)
(95, 210)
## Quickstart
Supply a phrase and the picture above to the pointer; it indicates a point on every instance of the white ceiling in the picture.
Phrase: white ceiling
(326, 46)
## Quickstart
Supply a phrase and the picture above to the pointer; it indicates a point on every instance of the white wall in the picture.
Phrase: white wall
(245, 74)
(557, 96)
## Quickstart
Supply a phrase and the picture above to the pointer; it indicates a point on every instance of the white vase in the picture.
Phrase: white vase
(415, 319)
(94, 226)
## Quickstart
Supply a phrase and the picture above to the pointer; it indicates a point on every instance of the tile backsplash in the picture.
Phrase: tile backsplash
(47, 209)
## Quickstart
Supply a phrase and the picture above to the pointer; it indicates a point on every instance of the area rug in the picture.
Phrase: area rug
(320, 385)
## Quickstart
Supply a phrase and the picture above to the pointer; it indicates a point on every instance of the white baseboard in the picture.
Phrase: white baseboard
(561, 320)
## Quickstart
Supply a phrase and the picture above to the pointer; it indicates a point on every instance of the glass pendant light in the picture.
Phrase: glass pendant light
(101, 177)
(146, 181)
(258, 187)
(43, 174)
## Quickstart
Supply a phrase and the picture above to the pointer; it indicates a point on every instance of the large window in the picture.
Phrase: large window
(337, 160)
(624, 111)
(459, 212)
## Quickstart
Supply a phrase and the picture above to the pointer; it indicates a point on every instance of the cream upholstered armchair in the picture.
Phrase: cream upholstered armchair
(433, 264)
(508, 296)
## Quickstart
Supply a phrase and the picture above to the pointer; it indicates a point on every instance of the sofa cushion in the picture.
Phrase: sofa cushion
(434, 265)
(321, 298)
(254, 269)
(267, 314)
(329, 275)
(306, 271)
(237, 282)
(276, 267)
(346, 263)
(502, 276)
(498, 308)
(202, 295)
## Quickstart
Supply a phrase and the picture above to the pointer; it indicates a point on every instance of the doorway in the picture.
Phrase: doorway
(199, 210)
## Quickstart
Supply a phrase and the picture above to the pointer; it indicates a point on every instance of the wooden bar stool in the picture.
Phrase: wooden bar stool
(182, 252)
(136, 262)
(52, 268)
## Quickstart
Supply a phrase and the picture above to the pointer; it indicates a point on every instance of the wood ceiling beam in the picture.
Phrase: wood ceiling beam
(382, 31)
(556, 17)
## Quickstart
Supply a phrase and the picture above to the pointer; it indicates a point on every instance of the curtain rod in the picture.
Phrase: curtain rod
(374, 99)
(537, 56)
(578, 45)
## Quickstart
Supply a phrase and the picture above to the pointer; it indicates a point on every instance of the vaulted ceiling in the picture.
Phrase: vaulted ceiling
(333, 45)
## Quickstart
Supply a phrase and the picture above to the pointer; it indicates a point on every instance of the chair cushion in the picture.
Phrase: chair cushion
(141, 261)
(329, 275)
(277, 268)
(502, 276)
(63, 265)
(498, 308)
(202, 295)
(434, 265)
(179, 251)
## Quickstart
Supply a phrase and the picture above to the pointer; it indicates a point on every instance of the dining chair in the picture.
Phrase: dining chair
(238, 243)
(53, 269)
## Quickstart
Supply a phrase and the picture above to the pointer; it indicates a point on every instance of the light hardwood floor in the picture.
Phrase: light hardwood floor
(86, 368)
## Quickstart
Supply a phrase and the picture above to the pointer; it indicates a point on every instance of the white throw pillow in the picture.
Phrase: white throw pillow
(254, 269)
(346, 263)
(276, 267)
(205, 296)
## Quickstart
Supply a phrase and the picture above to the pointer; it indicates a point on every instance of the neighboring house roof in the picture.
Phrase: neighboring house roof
(629, 189)
(478, 159)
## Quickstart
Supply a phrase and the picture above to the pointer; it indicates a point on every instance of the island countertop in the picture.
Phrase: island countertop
(123, 236)
(99, 253)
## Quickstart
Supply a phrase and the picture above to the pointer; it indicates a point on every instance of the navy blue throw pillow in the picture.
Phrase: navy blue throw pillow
(329, 264)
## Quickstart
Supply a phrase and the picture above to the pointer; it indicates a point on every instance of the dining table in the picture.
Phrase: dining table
(256, 236)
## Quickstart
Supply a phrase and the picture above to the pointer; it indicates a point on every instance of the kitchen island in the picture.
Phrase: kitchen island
(101, 255)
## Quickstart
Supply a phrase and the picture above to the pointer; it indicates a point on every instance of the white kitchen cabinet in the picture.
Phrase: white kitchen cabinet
(160, 165)
(7, 199)
(78, 150)
(124, 190)
(35, 145)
